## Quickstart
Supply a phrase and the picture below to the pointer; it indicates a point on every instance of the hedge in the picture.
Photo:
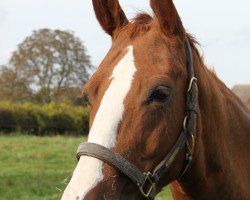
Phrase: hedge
(53, 118)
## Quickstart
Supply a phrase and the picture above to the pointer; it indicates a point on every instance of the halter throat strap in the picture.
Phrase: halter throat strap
(147, 181)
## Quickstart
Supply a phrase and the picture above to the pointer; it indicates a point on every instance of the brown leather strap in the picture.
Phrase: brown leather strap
(164, 165)
(143, 180)
(112, 158)
(190, 121)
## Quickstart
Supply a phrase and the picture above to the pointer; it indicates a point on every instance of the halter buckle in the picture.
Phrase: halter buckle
(148, 185)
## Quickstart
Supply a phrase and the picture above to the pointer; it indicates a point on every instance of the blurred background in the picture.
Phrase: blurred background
(49, 49)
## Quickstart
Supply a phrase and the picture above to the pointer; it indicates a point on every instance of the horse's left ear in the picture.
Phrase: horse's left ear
(110, 15)
(168, 17)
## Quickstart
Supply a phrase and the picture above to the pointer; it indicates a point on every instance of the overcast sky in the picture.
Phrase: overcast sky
(222, 27)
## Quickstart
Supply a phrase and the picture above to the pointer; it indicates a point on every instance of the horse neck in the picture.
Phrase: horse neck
(222, 139)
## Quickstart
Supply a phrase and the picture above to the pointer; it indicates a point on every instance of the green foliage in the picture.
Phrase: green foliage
(7, 120)
(13, 87)
(53, 118)
(50, 61)
(39, 168)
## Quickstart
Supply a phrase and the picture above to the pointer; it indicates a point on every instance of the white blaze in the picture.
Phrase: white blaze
(88, 172)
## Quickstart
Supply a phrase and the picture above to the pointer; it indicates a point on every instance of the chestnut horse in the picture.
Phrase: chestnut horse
(137, 103)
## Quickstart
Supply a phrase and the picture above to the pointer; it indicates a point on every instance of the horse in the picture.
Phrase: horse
(159, 116)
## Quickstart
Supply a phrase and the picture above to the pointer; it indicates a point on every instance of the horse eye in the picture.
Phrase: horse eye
(160, 94)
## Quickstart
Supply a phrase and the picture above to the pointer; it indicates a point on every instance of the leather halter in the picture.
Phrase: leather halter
(147, 181)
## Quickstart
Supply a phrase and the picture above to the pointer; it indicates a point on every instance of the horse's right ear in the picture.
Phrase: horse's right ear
(110, 15)
(168, 18)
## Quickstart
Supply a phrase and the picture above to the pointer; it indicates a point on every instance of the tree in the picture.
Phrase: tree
(51, 60)
(12, 86)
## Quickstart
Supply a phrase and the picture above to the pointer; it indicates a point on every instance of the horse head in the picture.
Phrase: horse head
(137, 100)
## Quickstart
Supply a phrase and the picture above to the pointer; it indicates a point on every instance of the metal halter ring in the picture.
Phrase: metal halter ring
(191, 83)
(148, 185)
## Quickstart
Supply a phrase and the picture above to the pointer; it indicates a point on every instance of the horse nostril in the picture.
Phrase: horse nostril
(77, 198)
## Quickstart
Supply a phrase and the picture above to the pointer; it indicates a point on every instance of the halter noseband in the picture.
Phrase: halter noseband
(147, 181)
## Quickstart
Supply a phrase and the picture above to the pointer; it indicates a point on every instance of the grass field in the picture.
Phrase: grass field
(39, 167)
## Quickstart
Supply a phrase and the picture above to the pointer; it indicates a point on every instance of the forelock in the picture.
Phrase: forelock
(138, 26)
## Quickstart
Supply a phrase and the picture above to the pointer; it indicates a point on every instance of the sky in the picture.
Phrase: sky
(222, 28)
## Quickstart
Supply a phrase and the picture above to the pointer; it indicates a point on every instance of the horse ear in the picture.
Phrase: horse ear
(168, 17)
(110, 15)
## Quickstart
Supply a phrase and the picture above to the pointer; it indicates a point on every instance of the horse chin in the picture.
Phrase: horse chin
(131, 192)
(108, 190)
(127, 190)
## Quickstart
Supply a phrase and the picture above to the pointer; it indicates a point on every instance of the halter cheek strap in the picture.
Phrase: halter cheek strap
(147, 182)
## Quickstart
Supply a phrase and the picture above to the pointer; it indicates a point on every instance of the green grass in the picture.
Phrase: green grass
(39, 167)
